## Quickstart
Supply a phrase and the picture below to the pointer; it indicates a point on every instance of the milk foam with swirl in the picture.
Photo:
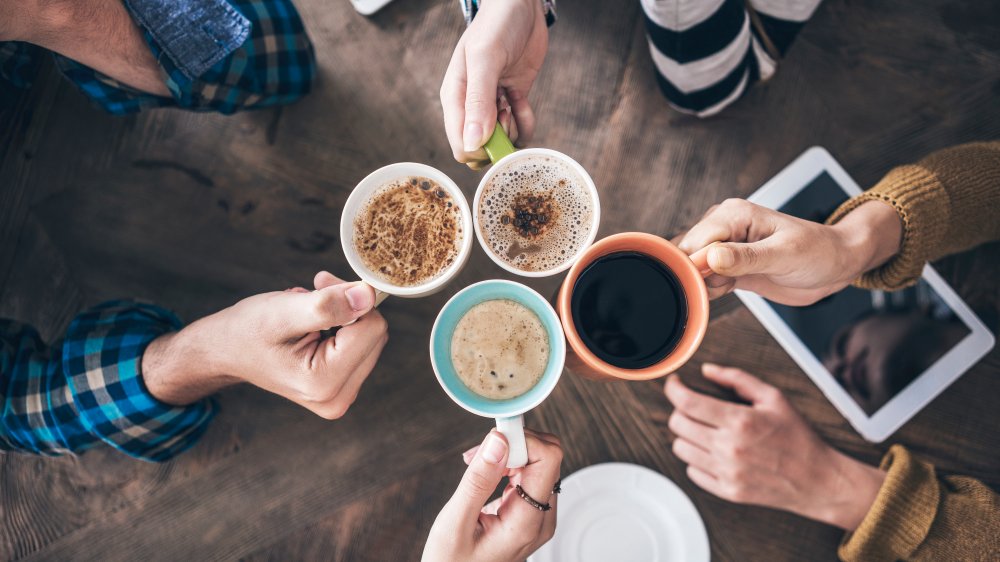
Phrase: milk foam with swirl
(500, 349)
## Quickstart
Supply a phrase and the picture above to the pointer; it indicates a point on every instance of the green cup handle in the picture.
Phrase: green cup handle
(499, 145)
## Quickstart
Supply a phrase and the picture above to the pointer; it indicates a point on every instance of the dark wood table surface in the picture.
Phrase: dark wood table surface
(196, 211)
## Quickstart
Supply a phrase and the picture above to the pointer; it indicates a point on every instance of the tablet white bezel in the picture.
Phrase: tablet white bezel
(876, 428)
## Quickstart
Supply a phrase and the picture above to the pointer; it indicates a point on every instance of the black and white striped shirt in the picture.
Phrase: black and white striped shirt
(708, 52)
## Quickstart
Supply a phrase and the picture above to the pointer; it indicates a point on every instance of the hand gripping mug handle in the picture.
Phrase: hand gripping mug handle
(499, 145)
(513, 429)
(380, 296)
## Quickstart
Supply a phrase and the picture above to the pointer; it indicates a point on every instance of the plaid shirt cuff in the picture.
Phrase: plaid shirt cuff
(101, 360)
(275, 65)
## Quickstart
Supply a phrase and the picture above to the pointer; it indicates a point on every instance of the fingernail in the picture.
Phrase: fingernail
(470, 453)
(724, 258)
(472, 137)
(360, 298)
(709, 368)
(493, 449)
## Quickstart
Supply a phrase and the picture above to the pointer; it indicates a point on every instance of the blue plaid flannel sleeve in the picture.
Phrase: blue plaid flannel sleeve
(275, 65)
(89, 389)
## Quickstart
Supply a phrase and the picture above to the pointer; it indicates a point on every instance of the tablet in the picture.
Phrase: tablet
(880, 357)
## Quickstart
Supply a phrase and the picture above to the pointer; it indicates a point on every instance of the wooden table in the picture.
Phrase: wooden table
(197, 211)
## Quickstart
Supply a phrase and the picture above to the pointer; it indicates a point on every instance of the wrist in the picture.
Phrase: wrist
(178, 369)
(850, 489)
(870, 235)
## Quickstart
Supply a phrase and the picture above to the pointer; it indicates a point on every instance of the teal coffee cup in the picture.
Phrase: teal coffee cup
(509, 414)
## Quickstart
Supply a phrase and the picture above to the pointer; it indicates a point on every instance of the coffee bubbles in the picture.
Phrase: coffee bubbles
(535, 213)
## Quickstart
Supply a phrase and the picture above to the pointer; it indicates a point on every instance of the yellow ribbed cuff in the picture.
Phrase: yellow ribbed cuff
(902, 514)
(922, 204)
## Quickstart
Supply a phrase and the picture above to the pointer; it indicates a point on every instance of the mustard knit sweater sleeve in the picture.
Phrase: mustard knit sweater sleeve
(948, 202)
(919, 515)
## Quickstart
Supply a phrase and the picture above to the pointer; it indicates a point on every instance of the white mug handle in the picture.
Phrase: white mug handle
(513, 429)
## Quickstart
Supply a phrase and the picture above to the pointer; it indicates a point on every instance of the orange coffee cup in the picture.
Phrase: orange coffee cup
(582, 361)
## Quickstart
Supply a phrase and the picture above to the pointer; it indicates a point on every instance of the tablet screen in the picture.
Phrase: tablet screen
(874, 343)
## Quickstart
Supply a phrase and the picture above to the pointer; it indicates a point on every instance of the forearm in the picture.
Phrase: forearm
(848, 490)
(90, 388)
(178, 369)
(917, 515)
(946, 203)
(97, 33)
(872, 235)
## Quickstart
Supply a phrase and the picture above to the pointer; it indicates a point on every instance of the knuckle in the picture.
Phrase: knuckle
(334, 410)
(734, 450)
(742, 424)
(772, 394)
(477, 484)
(736, 203)
(555, 453)
(474, 100)
(736, 491)
(678, 448)
(673, 423)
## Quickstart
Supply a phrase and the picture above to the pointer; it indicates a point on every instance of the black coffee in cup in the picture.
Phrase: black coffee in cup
(629, 309)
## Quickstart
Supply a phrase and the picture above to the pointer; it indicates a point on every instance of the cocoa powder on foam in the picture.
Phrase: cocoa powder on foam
(409, 231)
(535, 214)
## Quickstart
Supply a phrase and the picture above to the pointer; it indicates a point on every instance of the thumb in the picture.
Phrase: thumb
(331, 306)
(480, 100)
(480, 480)
(735, 259)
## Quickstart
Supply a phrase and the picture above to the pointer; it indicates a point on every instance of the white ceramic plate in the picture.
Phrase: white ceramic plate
(624, 512)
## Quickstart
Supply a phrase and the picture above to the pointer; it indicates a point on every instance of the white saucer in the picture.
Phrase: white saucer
(369, 7)
(624, 512)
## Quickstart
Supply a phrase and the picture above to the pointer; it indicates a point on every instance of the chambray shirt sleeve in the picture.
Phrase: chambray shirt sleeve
(88, 389)
(224, 56)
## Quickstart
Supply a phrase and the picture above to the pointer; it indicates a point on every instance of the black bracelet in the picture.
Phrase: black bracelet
(531, 501)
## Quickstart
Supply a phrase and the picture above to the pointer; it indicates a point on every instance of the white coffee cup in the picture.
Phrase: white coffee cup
(358, 201)
(504, 156)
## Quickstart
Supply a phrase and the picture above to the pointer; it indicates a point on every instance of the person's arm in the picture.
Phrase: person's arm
(764, 453)
(89, 388)
(947, 203)
(880, 239)
(919, 515)
(128, 376)
(499, 55)
(96, 33)
(508, 528)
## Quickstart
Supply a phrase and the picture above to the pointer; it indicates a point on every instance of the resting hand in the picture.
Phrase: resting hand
(508, 528)
(274, 341)
(786, 259)
(764, 453)
(500, 53)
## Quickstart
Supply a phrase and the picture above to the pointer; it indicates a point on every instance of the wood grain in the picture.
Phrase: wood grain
(196, 211)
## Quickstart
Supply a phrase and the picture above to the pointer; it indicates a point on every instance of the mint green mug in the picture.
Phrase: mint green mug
(509, 414)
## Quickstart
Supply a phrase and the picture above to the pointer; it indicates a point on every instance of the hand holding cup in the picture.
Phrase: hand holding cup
(508, 528)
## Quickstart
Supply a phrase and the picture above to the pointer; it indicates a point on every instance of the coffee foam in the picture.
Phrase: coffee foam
(500, 349)
(409, 231)
(558, 207)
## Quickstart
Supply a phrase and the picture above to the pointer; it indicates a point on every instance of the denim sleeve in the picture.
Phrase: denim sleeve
(89, 389)
(194, 34)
